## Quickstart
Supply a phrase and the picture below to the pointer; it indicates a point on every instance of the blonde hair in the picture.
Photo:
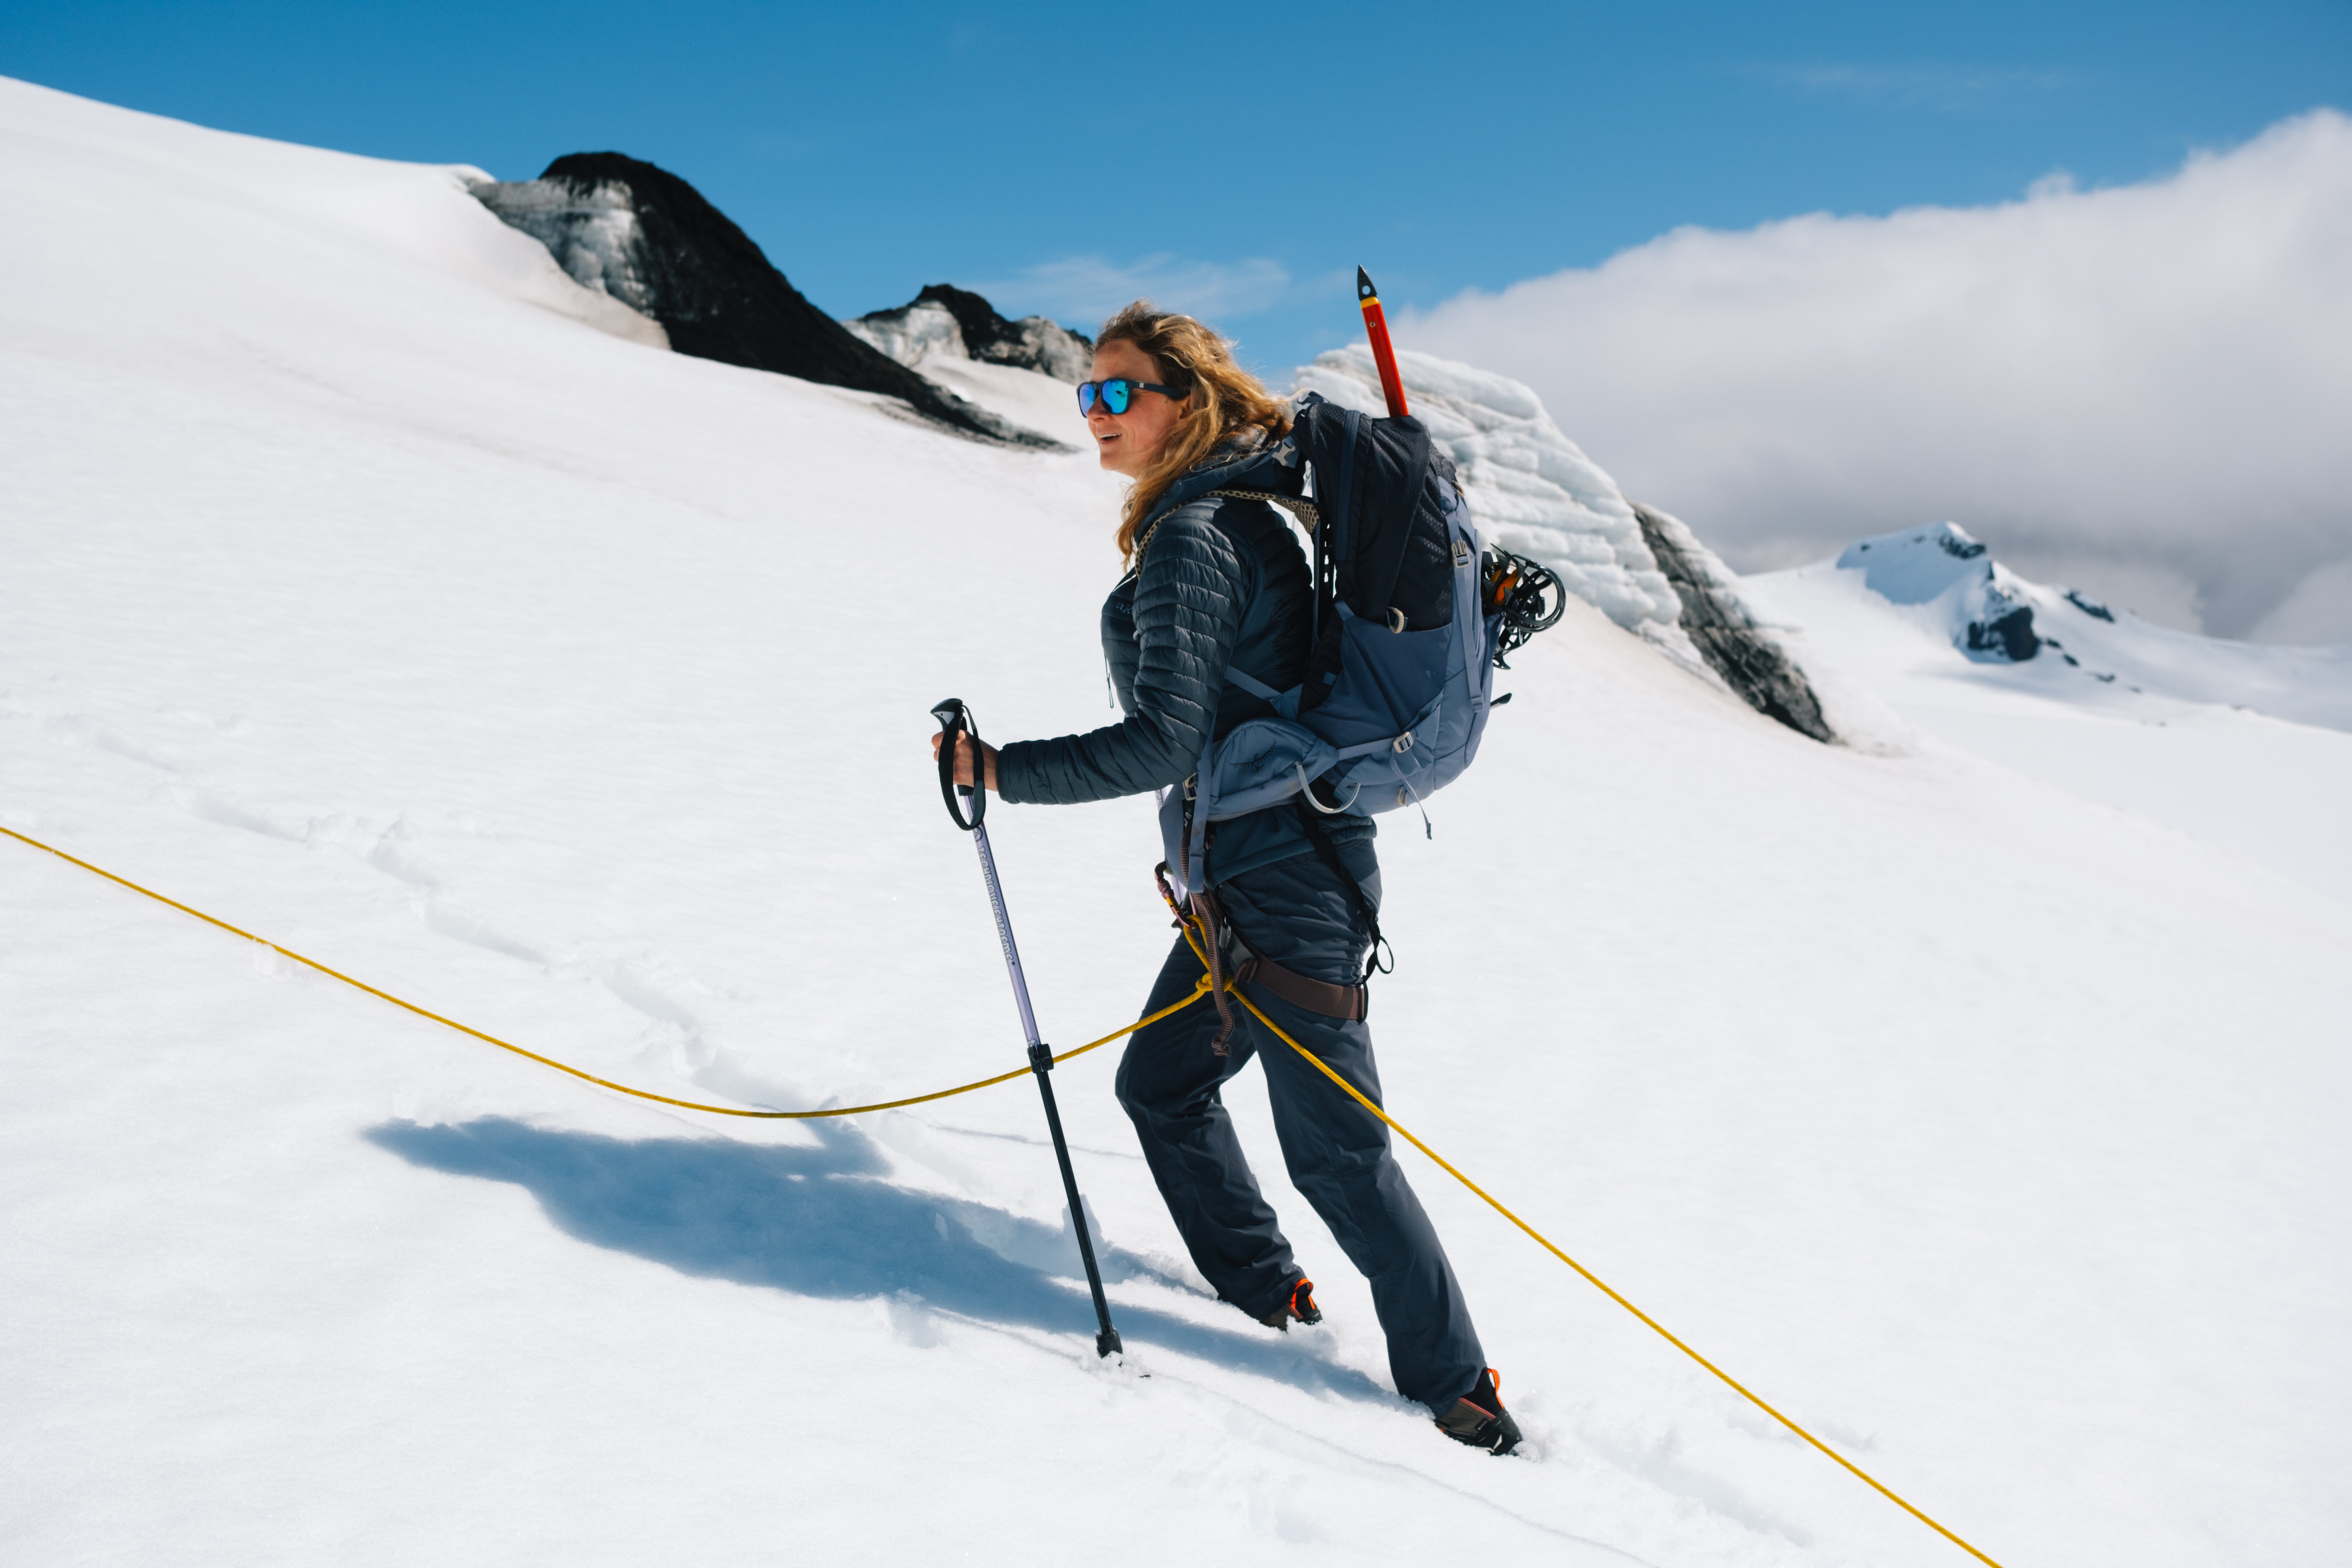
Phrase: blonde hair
(1222, 401)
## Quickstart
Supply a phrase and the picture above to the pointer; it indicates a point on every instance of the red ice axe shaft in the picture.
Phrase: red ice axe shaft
(1376, 327)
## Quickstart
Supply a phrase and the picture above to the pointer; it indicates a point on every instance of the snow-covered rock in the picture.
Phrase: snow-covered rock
(948, 322)
(1022, 370)
(592, 231)
(912, 334)
(643, 237)
(1941, 565)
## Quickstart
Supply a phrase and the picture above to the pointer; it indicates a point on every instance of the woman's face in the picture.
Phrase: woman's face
(1128, 442)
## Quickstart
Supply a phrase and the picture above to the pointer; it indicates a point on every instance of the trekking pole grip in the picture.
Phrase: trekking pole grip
(955, 722)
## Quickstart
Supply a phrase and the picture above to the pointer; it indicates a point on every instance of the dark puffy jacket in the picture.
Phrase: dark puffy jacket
(1221, 584)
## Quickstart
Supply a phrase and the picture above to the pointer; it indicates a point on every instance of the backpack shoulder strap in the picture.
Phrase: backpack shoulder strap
(1305, 511)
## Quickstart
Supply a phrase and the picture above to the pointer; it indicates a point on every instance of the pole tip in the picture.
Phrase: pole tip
(1364, 289)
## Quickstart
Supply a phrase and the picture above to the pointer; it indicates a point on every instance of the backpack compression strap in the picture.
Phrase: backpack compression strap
(1330, 855)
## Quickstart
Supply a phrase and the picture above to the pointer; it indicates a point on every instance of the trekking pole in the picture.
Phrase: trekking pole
(955, 722)
(1376, 327)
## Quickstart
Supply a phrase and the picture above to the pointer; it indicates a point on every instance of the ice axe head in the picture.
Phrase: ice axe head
(955, 722)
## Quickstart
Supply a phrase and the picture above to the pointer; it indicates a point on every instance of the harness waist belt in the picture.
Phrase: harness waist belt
(1315, 995)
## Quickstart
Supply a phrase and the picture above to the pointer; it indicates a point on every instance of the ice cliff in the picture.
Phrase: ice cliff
(1535, 492)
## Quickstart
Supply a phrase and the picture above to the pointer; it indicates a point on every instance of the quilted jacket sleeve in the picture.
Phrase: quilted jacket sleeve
(1189, 600)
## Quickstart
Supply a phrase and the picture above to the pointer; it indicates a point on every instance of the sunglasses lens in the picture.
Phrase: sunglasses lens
(1113, 395)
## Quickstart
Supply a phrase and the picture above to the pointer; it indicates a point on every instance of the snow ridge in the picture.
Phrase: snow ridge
(642, 236)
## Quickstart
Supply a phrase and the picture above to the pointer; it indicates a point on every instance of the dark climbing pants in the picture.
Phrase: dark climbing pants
(1299, 914)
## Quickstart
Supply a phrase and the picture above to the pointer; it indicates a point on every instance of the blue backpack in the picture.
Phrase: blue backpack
(1411, 616)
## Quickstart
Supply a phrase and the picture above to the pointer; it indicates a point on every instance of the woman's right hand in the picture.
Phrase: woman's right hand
(963, 760)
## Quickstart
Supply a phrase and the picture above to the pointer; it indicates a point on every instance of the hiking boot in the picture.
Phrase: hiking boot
(1479, 1419)
(1297, 1306)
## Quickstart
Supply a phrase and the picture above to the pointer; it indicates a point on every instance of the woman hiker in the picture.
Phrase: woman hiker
(1216, 583)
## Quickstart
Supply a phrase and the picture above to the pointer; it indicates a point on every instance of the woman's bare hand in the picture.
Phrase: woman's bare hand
(963, 760)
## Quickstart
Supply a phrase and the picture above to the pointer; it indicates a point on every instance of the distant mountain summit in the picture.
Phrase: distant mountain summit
(1991, 617)
(959, 323)
(644, 236)
(2059, 642)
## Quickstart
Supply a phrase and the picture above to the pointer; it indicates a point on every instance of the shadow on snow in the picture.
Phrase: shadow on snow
(817, 1222)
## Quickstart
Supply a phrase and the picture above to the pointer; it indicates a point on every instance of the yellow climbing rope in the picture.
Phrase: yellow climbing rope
(1541, 1240)
(1200, 989)
(1197, 991)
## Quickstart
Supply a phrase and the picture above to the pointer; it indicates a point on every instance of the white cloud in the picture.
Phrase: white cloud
(1084, 290)
(2157, 375)
(2318, 611)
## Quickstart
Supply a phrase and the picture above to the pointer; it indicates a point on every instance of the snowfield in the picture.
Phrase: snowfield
(2244, 747)
(355, 590)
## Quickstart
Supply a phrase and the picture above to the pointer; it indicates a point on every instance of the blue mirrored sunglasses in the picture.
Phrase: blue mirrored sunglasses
(1117, 392)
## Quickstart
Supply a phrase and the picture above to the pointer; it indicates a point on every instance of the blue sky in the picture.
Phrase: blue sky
(1239, 160)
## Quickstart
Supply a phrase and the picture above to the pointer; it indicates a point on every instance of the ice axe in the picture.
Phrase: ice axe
(955, 722)
(1376, 327)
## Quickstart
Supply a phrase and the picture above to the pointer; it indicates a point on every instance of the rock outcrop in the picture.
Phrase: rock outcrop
(946, 320)
(1727, 633)
(650, 240)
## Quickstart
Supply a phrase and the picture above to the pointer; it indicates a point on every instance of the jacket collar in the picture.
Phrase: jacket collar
(1249, 462)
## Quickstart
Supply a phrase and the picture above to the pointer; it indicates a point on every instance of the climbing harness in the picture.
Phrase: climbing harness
(1200, 989)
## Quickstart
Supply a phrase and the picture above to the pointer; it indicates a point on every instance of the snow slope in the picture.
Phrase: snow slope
(2245, 747)
(356, 593)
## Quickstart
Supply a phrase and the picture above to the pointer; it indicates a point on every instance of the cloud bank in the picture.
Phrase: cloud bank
(2144, 390)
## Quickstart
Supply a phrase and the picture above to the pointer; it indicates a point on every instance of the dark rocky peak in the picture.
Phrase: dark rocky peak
(946, 320)
(650, 240)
